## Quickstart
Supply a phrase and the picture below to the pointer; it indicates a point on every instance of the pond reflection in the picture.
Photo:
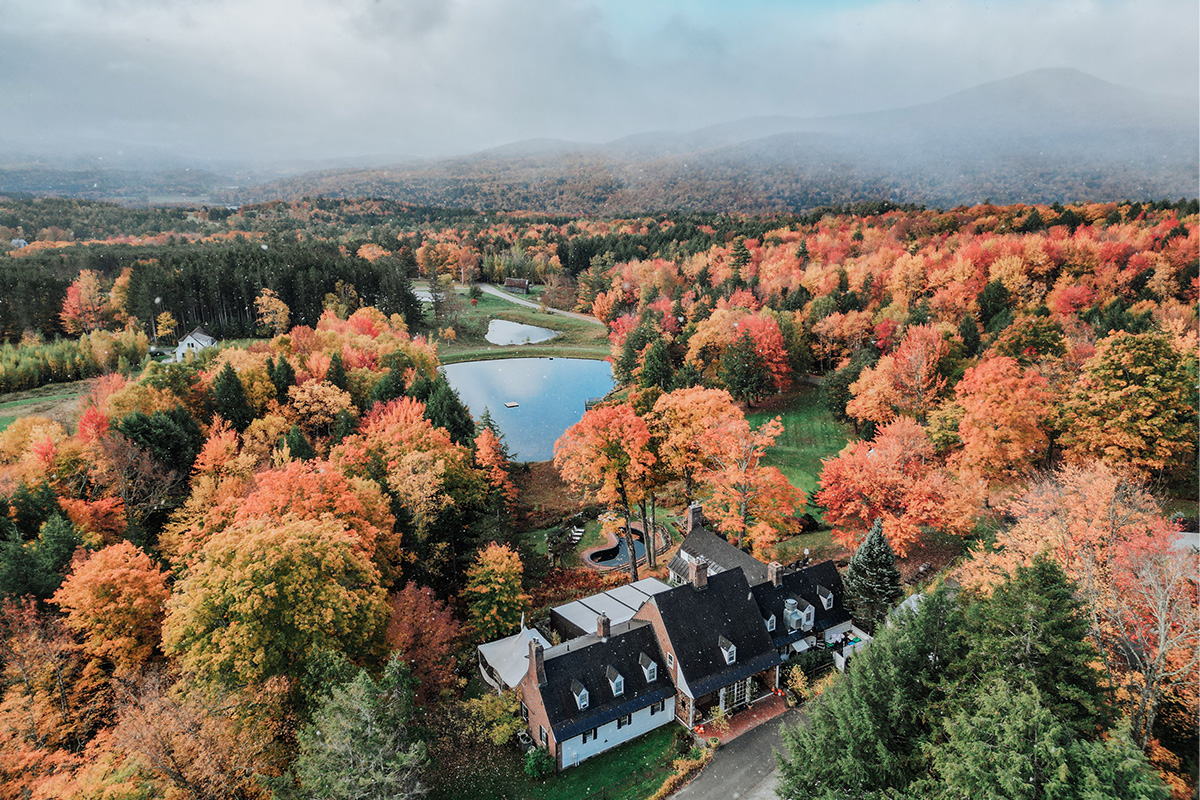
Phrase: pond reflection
(550, 394)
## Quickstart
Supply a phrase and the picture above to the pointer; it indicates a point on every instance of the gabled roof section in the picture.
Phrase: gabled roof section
(618, 604)
(722, 556)
(201, 337)
(509, 656)
(697, 621)
(586, 661)
(803, 586)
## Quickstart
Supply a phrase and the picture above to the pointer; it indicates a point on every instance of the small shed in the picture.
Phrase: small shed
(516, 285)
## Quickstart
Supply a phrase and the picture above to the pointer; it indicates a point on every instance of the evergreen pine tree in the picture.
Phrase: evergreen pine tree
(656, 366)
(360, 742)
(284, 378)
(1033, 631)
(388, 387)
(872, 579)
(968, 329)
(993, 301)
(445, 409)
(299, 445)
(344, 424)
(336, 374)
(744, 371)
(229, 399)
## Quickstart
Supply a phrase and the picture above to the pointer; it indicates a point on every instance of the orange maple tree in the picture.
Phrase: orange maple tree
(1003, 429)
(894, 478)
(687, 425)
(746, 499)
(607, 456)
(115, 598)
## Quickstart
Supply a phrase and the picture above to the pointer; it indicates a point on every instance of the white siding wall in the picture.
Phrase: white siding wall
(574, 750)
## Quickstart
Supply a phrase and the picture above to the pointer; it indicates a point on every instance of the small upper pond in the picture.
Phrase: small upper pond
(619, 555)
(501, 331)
(550, 394)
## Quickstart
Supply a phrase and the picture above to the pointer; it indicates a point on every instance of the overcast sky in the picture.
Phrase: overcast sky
(344, 78)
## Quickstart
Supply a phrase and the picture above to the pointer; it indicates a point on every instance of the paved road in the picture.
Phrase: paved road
(512, 298)
(744, 769)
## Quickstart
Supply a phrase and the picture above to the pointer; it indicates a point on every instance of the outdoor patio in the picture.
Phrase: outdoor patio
(765, 708)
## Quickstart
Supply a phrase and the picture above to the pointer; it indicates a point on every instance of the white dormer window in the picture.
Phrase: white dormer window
(581, 695)
(728, 650)
(616, 681)
(826, 597)
(806, 620)
(649, 667)
(771, 623)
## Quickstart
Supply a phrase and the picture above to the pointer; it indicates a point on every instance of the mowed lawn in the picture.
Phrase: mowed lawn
(810, 433)
(633, 771)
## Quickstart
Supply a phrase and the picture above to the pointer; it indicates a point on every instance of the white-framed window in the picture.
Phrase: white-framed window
(581, 694)
(590, 736)
(728, 649)
(649, 668)
(670, 661)
(543, 736)
(616, 680)
(524, 711)
(771, 623)
(658, 707)
(623, 721)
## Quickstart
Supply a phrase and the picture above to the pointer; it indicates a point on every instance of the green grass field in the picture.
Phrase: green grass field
(810, 433)
(576, 339)
(49, 400)
(645, 762)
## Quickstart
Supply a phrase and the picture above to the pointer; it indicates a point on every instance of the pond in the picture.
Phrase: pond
(549, 396)
(501, 331)
(619, 555)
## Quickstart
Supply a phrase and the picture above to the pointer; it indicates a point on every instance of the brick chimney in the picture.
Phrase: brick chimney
(775, 573)
(538, 659)
(603, 625)
(698, 573)
(694, 517)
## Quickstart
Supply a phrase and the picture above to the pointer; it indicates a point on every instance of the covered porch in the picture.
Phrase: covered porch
(731, 698)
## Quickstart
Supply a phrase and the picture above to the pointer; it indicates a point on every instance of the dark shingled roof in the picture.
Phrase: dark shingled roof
(722, 556)
(802, 585)
(695, 621)
(586, 660)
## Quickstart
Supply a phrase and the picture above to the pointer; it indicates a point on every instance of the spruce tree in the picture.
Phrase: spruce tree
(968, 329)
(229, 399)
(298, 444)
(744, 371)
(284, 378)
(872, 579)
(336, 374)
(445, 410)
(1033, 631)
(656, 366)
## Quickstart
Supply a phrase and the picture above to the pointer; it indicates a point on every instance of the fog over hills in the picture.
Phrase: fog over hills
(1043, 136)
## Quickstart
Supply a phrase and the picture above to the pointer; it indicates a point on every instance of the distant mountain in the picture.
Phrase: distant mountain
(1043, 136)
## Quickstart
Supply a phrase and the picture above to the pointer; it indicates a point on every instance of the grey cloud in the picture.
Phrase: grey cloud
(262, 78)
